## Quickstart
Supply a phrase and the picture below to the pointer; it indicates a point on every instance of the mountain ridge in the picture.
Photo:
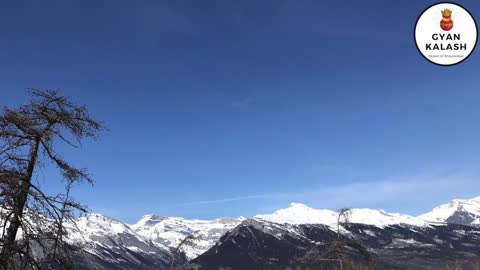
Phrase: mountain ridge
(168, 232)
(154, 240)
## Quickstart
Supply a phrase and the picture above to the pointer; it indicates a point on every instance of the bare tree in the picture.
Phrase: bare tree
(32, 230)
(341, 253)
(345, 214)
(186, 241)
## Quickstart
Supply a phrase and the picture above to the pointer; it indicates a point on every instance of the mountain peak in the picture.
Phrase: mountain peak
(299, 205)
(299, 213)
(458, 211)
(171, 231)
(148, 221)
(153, 217)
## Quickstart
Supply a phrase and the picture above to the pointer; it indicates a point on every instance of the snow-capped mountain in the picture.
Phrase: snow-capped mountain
(171, 231)
(111, 244)
(93, 226)
(259, 244)
(466, 212)
(152, 242)
(299, 213)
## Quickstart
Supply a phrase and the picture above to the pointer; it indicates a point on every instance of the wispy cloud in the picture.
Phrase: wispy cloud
(396, 193)
(242, 102)
(239, 198)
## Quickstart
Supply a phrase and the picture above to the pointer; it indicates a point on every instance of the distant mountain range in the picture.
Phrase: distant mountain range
(447, 235)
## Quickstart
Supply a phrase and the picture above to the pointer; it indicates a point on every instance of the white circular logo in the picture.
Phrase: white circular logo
(446, 34)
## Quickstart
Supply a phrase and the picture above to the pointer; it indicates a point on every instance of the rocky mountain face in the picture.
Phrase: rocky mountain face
(259, 244)
(170, 231)
(110, 244)
(298, 237)
(151, 243)
(466, 212)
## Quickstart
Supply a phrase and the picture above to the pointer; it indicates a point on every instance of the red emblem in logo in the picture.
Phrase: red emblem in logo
(446, 23)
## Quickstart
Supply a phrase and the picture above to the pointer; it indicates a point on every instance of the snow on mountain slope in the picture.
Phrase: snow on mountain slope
(107, 241)
(153, 239)
(95, 225)
(256, 244)
(153, 234)
(96, 229)
(299, 213)
(381, 219)
(466, 212)
(170, 231)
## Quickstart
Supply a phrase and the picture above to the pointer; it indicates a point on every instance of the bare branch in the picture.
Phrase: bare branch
(28, 136)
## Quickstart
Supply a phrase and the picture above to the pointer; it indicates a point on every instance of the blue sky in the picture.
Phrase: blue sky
(229, 108)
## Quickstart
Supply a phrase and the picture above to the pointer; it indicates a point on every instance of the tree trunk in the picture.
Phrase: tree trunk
(8, 248)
